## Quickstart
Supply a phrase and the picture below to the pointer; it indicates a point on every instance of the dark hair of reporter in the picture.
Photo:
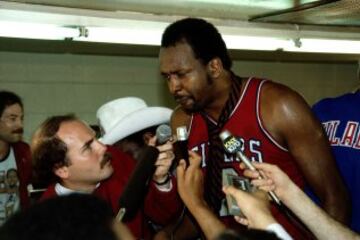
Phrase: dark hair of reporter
(249, 234)
(75, 216)
(48, 150)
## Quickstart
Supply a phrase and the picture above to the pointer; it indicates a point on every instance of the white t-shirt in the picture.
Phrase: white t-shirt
(9, 187)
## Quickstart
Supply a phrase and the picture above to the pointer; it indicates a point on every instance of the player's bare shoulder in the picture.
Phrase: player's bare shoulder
(282, 110)
(278, 98)
(179, 118)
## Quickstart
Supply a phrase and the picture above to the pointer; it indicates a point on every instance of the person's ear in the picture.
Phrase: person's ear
(147, 137)
(62, 172)
(214, 67)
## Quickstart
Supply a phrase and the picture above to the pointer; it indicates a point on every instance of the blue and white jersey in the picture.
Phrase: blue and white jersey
(340, 118)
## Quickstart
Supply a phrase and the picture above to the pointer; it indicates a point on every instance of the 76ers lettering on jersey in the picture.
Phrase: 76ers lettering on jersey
(245, 123)
(253, 146)
(340, 118)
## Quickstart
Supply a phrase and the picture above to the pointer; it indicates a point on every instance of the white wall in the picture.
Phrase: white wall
(313, 80)
(61, 83)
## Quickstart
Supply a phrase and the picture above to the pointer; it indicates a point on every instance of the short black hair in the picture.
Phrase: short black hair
(7, 99)
(75, 216)
(204, 39)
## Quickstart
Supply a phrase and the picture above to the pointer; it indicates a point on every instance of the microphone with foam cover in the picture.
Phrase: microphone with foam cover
(135, 191)
(163, 134)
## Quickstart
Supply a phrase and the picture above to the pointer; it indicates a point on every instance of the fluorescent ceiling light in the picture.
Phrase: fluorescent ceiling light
(153, 37)
(125, 35)
(150, 34)
(326, 46)
(36, 31)
(27, 21)
(255, 43)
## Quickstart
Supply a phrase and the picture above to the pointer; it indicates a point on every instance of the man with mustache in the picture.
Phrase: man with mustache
(273, 123)
(14, 153)
(67, 155)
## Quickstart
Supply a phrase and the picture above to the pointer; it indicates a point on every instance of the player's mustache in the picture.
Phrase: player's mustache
(19, 130)
(179, 97)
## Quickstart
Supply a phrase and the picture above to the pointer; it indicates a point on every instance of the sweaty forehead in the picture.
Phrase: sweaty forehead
(173, 58)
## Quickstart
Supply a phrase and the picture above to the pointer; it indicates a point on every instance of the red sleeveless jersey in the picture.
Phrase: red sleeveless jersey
(246, 124)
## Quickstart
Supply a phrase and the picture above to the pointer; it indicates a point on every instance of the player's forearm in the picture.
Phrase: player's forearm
(338, 206)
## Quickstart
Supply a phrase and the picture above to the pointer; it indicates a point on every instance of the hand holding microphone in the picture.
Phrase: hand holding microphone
(277, 180)
(190, 182)
(164, 143)
(164, 134)
(232, 145)
(152, 164)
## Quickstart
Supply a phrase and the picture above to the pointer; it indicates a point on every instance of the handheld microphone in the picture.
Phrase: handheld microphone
(181, 145)
(163, 134)
(232, 145)
(135, 190)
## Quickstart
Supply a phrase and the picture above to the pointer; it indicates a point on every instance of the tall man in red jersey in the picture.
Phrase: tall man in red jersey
(273, 122)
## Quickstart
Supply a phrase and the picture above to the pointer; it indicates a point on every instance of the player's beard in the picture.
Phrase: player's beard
(197, 105)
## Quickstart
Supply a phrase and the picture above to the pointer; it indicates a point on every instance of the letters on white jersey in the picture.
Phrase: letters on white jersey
(252, 146)
(350, 137)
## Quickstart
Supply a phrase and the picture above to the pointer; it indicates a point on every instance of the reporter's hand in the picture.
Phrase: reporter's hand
(190, 182)
(255, 206)
(164, 160)
(276, 180)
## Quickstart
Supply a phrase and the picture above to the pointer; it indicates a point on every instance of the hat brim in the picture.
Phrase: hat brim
(136, 122)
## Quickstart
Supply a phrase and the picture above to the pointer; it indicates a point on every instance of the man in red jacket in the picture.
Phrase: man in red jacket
(67, 155)
(15, 157)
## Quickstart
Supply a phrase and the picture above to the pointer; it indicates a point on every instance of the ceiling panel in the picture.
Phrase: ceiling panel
(330, 13)
(225, 9)
(269, 17)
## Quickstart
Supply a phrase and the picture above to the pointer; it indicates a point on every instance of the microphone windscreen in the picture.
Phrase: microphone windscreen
(163, 133)
(135, 190)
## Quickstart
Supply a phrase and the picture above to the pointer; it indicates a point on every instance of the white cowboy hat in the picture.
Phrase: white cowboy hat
(124, 116)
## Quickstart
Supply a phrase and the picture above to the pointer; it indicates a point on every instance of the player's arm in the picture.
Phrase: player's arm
(290, 121)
